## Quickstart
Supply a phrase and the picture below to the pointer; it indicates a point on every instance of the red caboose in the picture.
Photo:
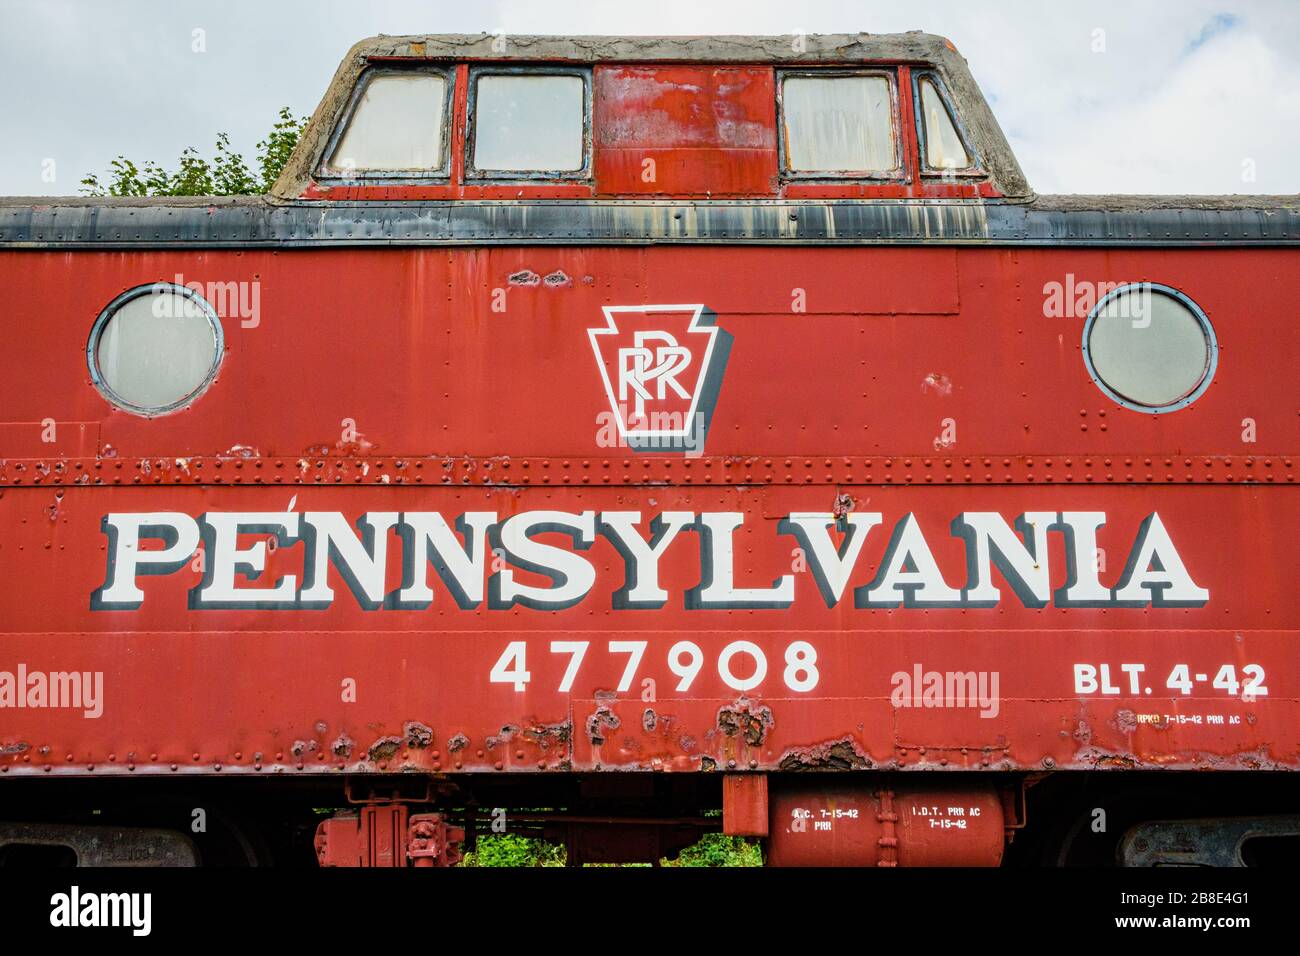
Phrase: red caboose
(638, 427)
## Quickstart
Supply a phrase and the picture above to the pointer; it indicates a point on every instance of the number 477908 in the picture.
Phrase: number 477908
(685, 661)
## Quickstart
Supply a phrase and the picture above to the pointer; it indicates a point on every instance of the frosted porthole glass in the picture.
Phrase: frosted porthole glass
(154, 350)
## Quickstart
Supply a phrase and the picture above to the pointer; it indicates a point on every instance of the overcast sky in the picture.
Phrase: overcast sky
(1166, 96)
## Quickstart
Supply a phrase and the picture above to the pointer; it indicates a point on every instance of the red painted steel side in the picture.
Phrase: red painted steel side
(893, 340)
(458, 408)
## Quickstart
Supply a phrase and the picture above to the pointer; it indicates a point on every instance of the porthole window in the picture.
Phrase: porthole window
(531, 124)
(1150, 348)
(155, 348)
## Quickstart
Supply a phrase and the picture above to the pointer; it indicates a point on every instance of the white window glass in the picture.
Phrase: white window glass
(157, 350)
(838, 124)
(529, 123)
(943, 147)
(1148, 347)
(397, 125)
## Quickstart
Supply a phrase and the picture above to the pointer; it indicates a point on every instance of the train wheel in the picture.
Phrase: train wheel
(1089, 834)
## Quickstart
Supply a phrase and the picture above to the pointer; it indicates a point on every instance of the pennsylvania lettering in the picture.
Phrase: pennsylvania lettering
(538, 559)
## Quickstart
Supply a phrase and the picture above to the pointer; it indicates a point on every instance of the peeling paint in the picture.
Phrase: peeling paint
(417, 734)
(603, 719)
(547, 735)
(747, 720)
(939, 384)
(384, 748)
(842, 754)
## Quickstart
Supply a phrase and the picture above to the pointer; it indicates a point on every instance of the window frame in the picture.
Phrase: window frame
(1207, 329)
(975, 169)
(105, 316)
(379, 177)
(899, 171)
(480, 176)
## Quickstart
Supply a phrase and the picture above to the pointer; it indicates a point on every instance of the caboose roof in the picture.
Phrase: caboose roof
(798, 49)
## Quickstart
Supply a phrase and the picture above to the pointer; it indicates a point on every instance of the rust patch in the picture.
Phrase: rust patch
(524, 277)
(457, 743)
(599, 722)
(384, 748)
(842, 505)
(301, 747)
(15, 748)
(1083, 733)
(507, 734)
(342, 746)
(708, 764)
(937, 383)
(546, 735)
(649, 720)
(1117, 762)
(417, 734)
(1126, 721)
(557, 280)
(842, 754)
(746, 720)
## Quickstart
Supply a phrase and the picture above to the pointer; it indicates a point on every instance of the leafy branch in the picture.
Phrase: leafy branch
(226, 174)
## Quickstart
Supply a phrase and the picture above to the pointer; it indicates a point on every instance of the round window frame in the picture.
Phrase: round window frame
(113, 307)
(1207, 329)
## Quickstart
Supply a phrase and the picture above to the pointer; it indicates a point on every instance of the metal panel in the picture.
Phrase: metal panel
(704, 130)
(341, 688)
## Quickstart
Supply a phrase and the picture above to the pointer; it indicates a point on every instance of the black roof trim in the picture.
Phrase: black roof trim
(1103, 221)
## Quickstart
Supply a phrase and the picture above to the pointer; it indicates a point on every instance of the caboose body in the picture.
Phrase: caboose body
(637, 428)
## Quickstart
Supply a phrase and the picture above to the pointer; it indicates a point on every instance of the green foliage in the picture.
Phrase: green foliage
(274, 151)
(507, 849)
(226, 174)
(713, 849)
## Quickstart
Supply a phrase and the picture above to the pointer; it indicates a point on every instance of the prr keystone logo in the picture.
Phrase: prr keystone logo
(662, 368)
